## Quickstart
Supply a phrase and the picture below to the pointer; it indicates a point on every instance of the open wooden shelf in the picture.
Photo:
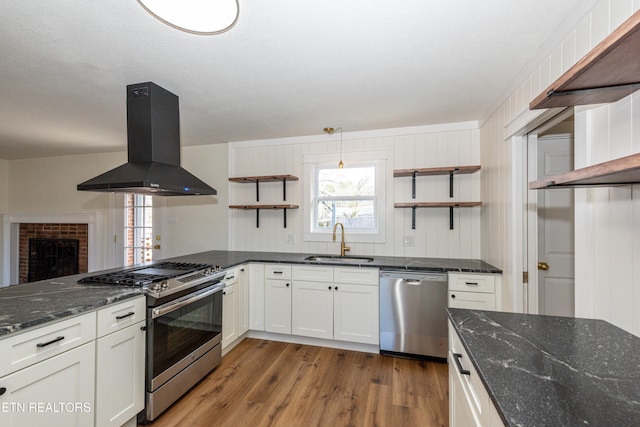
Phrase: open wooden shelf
(270, 207)
(622, 171)
(446, 170)
(263, 206)
(609, 72)
(449, 205)
(263, 178)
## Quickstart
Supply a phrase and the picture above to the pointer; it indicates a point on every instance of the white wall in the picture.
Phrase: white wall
(4, 202)
(425, 146)
(607, 284)
(48, 185)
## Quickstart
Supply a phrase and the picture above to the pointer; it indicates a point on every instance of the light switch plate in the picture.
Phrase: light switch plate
(407, 241)
(291, 239)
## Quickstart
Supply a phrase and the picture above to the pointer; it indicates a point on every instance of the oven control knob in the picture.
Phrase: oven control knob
(155, 287)
(164, 284)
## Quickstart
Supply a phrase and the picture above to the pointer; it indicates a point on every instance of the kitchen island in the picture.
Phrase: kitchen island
(32, 304)
(553, 371)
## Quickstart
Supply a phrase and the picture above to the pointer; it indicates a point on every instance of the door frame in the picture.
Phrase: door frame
(530, 220)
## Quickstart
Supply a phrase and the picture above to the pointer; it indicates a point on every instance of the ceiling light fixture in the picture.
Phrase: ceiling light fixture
(331, 131)
(195, 16)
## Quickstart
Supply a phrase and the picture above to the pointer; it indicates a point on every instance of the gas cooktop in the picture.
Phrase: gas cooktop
(144, 276)
(161, 279)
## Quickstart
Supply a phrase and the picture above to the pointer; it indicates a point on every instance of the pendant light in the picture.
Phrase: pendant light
(195, 16)
(331, 131)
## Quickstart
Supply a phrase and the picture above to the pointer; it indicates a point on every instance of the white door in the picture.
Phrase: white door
(312, 309)
(555, 229)
(277, 306)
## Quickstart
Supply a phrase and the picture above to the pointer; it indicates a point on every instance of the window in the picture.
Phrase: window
(353, 196)
(346, 195)
(138, 222)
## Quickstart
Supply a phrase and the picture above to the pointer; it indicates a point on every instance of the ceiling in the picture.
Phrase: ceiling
(287, 68)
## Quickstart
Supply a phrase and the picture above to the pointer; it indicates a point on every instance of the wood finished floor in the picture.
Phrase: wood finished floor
(269, 383)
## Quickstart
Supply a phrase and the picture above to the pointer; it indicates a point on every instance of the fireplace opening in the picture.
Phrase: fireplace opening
(52, 258)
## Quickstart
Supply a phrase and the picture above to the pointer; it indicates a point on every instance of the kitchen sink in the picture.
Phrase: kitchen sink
(339, 259)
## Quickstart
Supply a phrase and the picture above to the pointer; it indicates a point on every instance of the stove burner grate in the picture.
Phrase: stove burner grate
(143, 276)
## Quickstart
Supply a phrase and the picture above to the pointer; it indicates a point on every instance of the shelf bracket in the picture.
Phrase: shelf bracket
(450, 217)
(451, 183)
(413, 184)
(257, 190)
(413, 217)
(284, 193)
(285, 217)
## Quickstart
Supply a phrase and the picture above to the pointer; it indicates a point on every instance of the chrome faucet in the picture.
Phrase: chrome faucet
(343, 248)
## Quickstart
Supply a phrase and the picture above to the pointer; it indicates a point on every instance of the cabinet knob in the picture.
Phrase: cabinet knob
(453, 295)
(329, 287)
(3, 390)
(287, 285)
(224, 293)
(336, 288)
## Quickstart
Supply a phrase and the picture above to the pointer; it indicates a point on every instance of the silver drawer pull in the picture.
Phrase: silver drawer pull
(44, 344)
(457, 357)
(471, 283)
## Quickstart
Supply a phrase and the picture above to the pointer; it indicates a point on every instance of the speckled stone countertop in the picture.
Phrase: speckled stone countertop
(31, 304)
(232, 258)
(553, 371)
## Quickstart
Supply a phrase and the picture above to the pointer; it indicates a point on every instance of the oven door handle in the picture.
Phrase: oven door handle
(179, 303)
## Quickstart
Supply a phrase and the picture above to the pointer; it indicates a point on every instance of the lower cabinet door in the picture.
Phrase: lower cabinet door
(356, 313)
(312, 309)
(229, 315)
(120, 375)
(57, 392)
(277, 306)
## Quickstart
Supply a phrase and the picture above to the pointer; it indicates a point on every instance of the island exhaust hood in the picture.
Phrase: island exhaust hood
(153, 140)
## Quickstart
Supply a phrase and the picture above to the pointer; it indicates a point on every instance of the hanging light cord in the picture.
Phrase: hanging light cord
(331, 131)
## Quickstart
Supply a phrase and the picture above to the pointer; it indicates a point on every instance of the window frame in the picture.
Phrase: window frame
(312, 165)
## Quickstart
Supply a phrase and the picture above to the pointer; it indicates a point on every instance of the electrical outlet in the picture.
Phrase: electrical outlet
(291, 239)
(407, 241)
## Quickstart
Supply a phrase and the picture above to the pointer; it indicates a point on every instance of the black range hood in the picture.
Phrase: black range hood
(153, 140)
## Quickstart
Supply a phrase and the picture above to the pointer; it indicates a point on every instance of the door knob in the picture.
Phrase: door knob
(543, 266)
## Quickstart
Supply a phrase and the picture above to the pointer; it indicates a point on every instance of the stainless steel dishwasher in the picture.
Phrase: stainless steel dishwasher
(413, 317)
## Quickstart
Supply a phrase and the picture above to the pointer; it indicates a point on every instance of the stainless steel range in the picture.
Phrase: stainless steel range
(184, 325)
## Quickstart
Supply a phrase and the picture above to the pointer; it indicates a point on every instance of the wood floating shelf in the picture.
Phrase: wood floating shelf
(609, 72)
(445, 170)
(270, 207)
(449, 205)
(266, 178)
(622, 171)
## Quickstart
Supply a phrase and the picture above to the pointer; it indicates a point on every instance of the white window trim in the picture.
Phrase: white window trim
(312, 161)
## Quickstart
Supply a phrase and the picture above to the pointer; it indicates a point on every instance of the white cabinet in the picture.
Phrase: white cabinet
(469, 402)
(44, 369)
(120, 362)
(57, 392)
(243, 300)
(356, 313)
(356, 305)
(256, 297)
(475, 291)
(229, 314)
(277, 298)
(335, 303)
(312, 309)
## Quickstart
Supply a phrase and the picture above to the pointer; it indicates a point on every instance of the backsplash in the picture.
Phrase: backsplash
(418, 147)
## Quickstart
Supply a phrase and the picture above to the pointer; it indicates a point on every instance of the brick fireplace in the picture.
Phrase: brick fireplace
(55, 232)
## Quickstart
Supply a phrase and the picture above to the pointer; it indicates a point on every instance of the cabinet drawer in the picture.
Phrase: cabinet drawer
(25, 349)
(472, 300)
(472, 283)
(118, 316)
(232, 276)
(312, 274)
(473, 388)
(277, 271)
(357, 276)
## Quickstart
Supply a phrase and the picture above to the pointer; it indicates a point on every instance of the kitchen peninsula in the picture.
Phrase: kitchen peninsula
(551, 371)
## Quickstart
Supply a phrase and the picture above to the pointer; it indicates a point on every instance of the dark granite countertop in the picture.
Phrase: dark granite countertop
(231, 258)
(553, 371)
(31, 304)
